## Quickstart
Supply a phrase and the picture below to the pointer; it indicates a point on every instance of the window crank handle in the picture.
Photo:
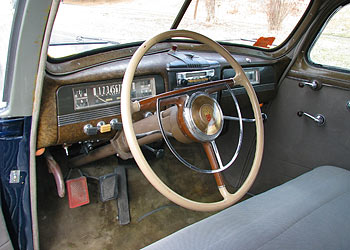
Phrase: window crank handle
(319, 119)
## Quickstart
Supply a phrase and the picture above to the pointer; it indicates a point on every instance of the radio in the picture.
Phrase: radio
(194, 77)
(190, 69)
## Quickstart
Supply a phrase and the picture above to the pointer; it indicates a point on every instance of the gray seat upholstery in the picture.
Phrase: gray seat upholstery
(309, 212)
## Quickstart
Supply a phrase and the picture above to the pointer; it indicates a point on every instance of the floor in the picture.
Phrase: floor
(95, 226)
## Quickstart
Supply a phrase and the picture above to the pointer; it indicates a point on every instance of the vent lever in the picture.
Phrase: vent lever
(314, 85)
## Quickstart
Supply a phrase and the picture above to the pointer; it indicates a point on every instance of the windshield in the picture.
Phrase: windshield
(83, 25)
(244, 22)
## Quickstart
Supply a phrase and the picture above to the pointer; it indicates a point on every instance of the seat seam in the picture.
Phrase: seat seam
(311, 212)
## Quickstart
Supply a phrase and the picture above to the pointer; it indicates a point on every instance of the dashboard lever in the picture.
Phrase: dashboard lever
(159, 153)
(141, 135)
(87, 147)
(319, 119)
(232, 118)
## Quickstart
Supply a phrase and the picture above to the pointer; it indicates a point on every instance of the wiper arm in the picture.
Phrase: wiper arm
(81, 39)
(82, 43)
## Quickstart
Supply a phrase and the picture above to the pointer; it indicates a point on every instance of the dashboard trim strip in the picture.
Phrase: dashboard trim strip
(88, 115)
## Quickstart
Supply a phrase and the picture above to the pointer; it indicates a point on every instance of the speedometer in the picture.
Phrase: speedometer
(106, 93)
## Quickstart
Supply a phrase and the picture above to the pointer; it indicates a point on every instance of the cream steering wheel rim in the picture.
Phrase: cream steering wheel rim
(127, 108)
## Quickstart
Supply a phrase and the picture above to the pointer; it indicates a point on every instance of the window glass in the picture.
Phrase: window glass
(83, 25)
(244, 22)
(7, 10)
(332, 47)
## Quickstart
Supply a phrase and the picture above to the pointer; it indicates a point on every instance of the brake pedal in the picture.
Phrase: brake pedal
(108, 187)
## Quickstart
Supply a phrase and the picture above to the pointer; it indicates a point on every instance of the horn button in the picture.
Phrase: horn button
(203, 117)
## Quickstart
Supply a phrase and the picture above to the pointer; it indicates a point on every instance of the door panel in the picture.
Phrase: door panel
(294, 144)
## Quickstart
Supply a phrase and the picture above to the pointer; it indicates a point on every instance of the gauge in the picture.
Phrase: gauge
(81, 98)
(107, 93)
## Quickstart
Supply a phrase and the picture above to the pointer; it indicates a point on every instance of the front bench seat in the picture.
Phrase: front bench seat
(309, 212)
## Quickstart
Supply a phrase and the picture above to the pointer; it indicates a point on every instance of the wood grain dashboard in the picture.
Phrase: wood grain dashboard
(110, 66)
(65, 125)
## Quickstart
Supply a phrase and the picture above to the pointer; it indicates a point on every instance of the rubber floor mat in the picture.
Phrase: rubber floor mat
(78, 193)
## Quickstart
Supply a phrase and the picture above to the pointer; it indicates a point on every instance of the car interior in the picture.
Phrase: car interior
(141, 145)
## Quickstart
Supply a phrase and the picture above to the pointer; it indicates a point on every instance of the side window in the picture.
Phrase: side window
(332, 48)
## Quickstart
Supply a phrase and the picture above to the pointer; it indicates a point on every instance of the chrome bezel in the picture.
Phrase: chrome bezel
(189, 165)
(189, 119)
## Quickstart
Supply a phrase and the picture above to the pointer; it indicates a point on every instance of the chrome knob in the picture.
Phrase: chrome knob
(100, 124)
(90, 130)
(115, 124)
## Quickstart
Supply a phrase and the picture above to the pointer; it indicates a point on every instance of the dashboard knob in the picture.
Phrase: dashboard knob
(115, 124)
(183, 82)
(90, 130)
(103, 127)
(100, 124)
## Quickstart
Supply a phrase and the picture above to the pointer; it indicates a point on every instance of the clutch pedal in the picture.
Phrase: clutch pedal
(77, 189)
(78, 194)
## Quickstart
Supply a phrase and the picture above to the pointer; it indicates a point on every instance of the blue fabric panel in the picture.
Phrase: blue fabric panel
(14, 148)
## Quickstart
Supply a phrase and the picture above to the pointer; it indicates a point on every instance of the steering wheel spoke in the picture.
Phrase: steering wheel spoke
(217, 154)
(239, 79)
(214, 161)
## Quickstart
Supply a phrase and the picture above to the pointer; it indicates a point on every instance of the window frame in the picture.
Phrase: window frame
(316, 38)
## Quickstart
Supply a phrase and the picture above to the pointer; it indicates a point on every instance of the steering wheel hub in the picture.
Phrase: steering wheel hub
(203, 117)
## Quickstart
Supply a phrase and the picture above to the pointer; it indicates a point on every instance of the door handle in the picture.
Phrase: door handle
(319, 118)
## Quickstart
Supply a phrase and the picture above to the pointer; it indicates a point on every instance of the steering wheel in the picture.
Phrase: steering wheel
(191, 126)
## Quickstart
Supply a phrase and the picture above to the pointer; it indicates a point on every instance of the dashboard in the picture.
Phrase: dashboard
(81, 97)
(92, 100)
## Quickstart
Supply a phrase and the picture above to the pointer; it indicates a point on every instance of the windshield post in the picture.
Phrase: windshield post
(180, 14)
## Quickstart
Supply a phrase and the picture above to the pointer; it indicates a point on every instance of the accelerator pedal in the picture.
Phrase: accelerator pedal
(123, 200)
(78, 194)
